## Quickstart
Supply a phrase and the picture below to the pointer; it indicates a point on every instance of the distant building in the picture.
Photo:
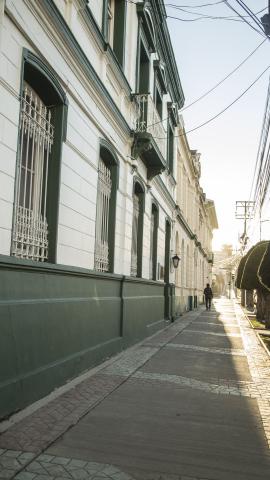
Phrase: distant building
(195, 221)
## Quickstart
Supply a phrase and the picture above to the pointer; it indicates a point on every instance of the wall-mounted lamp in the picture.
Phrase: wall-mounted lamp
(175, 260)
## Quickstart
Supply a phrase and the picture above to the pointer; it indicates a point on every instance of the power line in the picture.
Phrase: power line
(265, 116)
(217, 17)
(184, 6)
(194, 6)
(215, 86)
(222, 111)
(251, 14)
(224, 79)
(243, 18)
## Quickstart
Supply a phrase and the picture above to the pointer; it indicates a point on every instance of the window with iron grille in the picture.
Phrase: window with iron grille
(153, 243)
(102, 218)
(135, 231)
(30, 231)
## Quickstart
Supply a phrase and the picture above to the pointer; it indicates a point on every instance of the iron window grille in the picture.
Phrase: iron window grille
(30, 229)
(102, 218)
(135, 231)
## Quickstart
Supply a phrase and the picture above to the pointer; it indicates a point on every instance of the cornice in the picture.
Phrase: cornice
(165, 46)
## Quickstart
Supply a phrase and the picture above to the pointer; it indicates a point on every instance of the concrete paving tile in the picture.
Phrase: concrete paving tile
(60, 460)
(25, 476)
(6, 474)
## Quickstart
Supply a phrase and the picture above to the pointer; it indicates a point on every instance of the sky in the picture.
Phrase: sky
(206, 51)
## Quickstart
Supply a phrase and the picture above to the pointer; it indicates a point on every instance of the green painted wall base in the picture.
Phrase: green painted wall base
(57, 321)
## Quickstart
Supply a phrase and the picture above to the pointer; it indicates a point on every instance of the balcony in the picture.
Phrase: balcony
(150, 138)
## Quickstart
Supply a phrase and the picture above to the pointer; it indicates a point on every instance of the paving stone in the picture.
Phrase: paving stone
(79, 474)
(43, 477)
(25, 476)
(45, 458)
(61, 460)
(12, 453)
(6, 474)
(77, 464)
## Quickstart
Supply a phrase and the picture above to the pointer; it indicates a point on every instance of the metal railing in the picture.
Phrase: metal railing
(149, 121)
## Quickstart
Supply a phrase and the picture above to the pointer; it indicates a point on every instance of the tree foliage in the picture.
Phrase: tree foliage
(254, 268)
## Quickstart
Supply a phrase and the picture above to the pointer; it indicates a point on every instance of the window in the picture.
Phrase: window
(143, 69)
(167, 251)
(158, 98)
(183, 264)
(114, 20)
(170, 147)
(177, 251)
(41, 126)
(153, 242)
(106, 208)
(187, 267)
(137, 230)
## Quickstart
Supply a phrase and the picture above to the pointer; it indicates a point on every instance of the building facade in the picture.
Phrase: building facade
(89, 202)
(195, 221)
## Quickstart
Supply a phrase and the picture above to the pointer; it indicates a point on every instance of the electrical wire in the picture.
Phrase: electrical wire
(216, 85)
(243, 18)
(225, 78)
(185, 6)
(222, 111)
(266, 113)
(232, 17)
(251, 14)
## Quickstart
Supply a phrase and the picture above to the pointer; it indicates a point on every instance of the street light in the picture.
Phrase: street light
(175, 260)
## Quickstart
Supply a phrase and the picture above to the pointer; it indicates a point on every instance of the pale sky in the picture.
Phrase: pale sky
(206, 51)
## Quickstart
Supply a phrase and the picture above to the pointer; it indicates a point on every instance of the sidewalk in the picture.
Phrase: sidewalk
(189, 403)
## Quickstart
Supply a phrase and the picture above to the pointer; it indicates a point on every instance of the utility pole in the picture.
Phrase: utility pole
(244, 211)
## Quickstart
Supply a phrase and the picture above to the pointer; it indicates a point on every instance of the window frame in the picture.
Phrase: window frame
(44, 81)
(116, 37)
(108, 154)
(138, 189)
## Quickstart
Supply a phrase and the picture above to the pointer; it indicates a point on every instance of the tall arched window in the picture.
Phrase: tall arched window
(41, 133)
(106, 208)
(183, 265)
(167, 251)
(177, 273)
(153, 242)
(137, 230)
(187, 267)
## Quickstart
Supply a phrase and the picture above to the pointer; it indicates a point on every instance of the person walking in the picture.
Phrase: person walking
(208, 294)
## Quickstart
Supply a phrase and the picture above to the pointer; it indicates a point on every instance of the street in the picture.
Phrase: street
(190, 402)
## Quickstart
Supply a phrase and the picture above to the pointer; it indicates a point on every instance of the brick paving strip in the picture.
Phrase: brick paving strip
(23, 442)
(47, 467)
